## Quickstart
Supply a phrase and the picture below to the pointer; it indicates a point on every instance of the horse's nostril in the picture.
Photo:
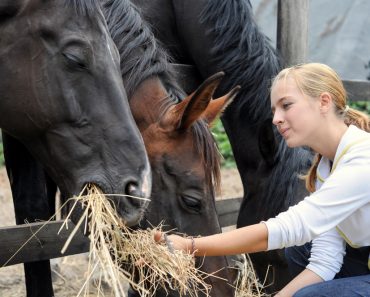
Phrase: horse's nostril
(133, 190)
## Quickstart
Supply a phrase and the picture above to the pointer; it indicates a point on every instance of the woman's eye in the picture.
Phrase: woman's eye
(286, 105)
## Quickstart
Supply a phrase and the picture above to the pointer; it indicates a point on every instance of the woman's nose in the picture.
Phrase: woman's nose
(277, 119)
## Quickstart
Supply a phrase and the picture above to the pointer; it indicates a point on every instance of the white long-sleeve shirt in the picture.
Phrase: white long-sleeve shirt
(338, 211)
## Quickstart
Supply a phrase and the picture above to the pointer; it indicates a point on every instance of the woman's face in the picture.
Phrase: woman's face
(296, 115)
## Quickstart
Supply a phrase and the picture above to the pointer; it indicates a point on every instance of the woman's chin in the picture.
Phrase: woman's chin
(291, 143)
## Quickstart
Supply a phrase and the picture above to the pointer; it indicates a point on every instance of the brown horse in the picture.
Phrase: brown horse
(57, 64)
(219, 35)
(181, 149)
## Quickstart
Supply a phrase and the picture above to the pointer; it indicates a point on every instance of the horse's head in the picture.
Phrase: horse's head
(182, 152)
(184, 159)
(62, 96)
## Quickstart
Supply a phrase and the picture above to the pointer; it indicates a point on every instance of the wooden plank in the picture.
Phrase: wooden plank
(358, 90)
(45, 244)
(292, 31)
(227, 211)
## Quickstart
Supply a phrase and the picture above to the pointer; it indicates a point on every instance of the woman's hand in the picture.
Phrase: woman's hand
(175, 242)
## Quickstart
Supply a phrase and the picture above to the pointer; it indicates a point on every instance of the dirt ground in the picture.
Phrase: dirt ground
(69, 272)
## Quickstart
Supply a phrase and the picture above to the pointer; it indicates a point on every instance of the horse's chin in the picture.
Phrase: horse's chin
(143, 224)
(131, 214)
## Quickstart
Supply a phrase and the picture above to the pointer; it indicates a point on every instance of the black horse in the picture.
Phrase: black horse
(64, 110)
(219, 35)
(181, 149)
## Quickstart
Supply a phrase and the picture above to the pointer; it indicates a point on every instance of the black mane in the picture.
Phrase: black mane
(141, 55)
(248, 58)
(244, 53)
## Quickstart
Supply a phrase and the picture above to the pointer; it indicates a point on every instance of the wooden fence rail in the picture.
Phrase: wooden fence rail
(40, 241)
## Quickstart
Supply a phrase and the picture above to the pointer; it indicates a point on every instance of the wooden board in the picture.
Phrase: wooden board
(227, 211)
(357, 90)
(43, 242)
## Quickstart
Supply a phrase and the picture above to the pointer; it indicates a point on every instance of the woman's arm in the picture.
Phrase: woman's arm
(305, 278)
(243, 240)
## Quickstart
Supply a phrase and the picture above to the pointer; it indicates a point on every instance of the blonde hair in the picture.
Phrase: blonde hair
(313, 79)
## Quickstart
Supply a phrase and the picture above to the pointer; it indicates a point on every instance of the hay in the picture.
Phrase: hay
(121, 255)
(247, 283)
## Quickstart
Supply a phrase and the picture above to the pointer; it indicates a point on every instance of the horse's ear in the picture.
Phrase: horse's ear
(182, 115)
(217, 106)
(267, 143)
(9, 8)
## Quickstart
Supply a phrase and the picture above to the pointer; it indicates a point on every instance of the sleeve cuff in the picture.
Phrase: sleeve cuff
(326, 275)
(274, 236)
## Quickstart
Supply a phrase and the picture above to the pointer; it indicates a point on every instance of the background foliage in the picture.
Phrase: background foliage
(361, 105)
(223, 143)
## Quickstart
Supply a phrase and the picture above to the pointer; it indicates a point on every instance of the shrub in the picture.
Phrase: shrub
(223, 145)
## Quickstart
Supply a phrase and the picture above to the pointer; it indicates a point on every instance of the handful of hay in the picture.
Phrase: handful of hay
(122, 255)
(247, 284)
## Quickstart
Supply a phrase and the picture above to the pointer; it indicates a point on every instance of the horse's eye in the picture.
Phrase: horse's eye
(191, 203)
(74, 61)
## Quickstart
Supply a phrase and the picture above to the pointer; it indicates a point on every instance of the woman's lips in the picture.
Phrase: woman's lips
(283, 131)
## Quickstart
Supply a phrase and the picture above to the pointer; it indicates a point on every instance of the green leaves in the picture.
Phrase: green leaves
(223, 144)
(361, 105)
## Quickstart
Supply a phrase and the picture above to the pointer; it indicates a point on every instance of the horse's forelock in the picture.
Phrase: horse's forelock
(207, 147)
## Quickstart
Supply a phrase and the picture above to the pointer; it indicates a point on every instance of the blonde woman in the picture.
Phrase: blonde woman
(309, 108)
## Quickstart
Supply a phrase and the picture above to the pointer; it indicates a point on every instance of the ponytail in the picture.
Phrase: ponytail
(357, 118)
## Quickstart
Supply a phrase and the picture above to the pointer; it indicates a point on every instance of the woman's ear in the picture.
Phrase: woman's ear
(326, 102)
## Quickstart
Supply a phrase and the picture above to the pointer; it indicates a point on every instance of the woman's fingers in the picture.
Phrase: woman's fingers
(163, 237)
(158, 236)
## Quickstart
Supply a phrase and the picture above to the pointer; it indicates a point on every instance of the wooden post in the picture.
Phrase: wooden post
(292, 31)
